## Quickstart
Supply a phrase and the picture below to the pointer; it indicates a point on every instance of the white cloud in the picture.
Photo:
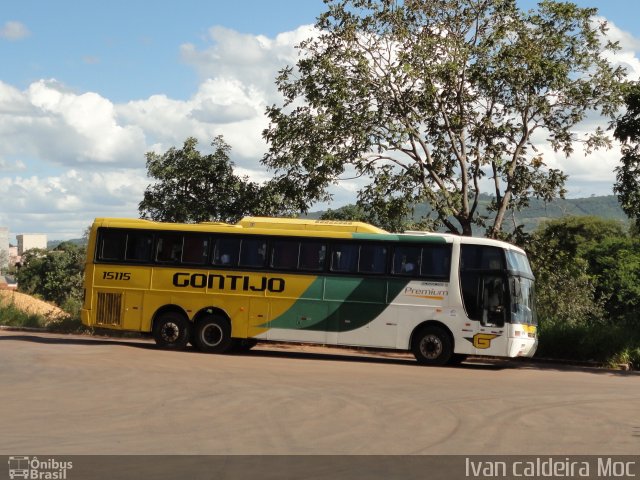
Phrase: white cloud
(8, 166)
(50, 123)
(66, 204)
(253, 60)
(626, 56)
(13, 30)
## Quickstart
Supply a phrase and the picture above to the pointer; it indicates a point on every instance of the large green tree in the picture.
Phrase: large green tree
(587, 269)
(436, 101)
(194, 187)
(627, 185)
(55, 275)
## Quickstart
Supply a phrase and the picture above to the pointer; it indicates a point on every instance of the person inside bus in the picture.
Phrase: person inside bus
(408, 267)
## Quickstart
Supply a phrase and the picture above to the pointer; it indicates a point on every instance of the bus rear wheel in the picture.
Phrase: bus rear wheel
(432, 346)
(171, 330)
(213, 334)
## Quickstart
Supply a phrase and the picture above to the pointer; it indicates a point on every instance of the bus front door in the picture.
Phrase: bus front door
(486, 303)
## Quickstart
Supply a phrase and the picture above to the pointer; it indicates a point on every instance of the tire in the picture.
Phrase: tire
(432, 346)
(172, 330)
(243, 345)
(213, 334)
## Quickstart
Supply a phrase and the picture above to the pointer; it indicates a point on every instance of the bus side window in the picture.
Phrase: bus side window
(481, 257)
(253, 252)
(372, 259)
(226, 252)
(344, 258)
(436, 261)
(312, 256)
(195, 249)
(169, 248)
(139, 246)
(112, 245)
(406, 260)
(284, 254)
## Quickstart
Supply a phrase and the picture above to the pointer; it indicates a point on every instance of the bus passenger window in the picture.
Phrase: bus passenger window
(253, 252)
(436, 261)
(112, 245)
(406, 261)
(139, 246)
(169, 248)
(195, 249)
(481, 257)
(312, 256)
(372, 259)
(226, 252)
(344, 258)
(284, 254)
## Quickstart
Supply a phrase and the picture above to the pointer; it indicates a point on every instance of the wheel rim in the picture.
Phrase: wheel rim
(431, 346)
(212, 335)
(170, 332)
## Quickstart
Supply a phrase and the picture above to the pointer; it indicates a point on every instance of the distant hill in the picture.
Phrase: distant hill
(539, 212)
(51, 244)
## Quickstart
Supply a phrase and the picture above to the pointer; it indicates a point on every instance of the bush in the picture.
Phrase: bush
(599, 342)
(11, 316)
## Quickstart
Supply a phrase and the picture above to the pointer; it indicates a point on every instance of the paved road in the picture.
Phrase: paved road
(82, 395)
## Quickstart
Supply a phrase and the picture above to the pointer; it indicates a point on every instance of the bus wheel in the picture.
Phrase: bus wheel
(213, 334)
(172, 330)
(432, 346)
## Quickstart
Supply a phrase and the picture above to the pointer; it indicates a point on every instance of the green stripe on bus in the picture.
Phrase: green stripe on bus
(349, 303)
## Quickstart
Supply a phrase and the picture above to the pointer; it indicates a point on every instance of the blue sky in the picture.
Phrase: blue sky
(130, 49)
(86, 88)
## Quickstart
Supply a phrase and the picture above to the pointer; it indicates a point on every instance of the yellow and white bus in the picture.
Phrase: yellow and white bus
(224, 287)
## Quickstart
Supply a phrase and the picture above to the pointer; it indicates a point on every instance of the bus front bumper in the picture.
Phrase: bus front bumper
(522, 347)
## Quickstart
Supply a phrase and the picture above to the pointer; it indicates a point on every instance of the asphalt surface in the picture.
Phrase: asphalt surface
(85, 395)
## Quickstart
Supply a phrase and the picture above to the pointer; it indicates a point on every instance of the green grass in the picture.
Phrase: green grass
(11, 316)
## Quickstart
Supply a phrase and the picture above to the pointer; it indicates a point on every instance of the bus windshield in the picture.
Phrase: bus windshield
(522, 300)
(518, 262)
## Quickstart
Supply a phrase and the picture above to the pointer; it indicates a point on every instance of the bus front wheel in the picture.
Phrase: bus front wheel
(213, 334)
(171, 330)
(432, 346)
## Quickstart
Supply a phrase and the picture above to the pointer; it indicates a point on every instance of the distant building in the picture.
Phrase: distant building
(4, 247)
(14, 258)
(28, 241)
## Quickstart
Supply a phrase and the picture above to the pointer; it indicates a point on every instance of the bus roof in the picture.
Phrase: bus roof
(309, 224)
(302, 227)
(466, 240)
